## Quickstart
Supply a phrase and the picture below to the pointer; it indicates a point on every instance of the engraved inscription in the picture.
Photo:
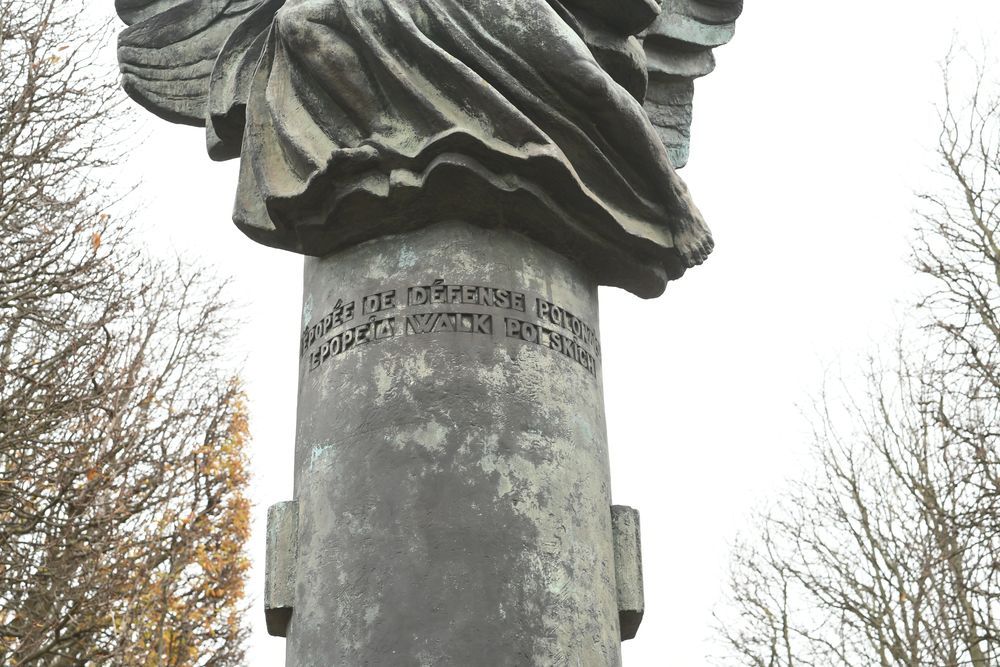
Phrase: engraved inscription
(339, 343)
(341, 313)
(472, 323)
(376, 303)
(417, 310)
(491, 297)
(549, 312)
(540, 335)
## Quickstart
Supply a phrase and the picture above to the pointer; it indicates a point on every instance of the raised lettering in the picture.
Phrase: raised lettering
(445, 322)
(417, 296)
(570, 336)
(482, 324)
(517, 301)
(420, 323)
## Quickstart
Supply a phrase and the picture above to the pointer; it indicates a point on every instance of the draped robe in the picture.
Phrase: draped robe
(358, 118)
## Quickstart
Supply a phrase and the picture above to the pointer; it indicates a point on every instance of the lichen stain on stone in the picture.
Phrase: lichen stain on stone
(518, 477)
(584, 427)
(495, 376)
(307, 310)
(323, 454)
(329, 381)
(407, 257)
(416, 367)
(384, 380)
(558, 578)
(504, 486)
(378, 268)
(533, 279)
(431, 436)
(356, 524)
(371, 613)
(426, 660)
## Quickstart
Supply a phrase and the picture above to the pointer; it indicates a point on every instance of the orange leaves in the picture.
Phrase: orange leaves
(197, 592)
(105, 508)
(95, 237)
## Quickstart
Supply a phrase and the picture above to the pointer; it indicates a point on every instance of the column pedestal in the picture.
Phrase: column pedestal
(452, 500)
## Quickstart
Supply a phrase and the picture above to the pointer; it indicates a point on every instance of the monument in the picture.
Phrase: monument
(461, 176)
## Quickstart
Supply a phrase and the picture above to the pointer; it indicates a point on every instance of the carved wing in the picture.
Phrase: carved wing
(677, 39)
(168, 52)
(679, 50)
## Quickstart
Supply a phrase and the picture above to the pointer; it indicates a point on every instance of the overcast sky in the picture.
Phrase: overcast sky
(809, 141)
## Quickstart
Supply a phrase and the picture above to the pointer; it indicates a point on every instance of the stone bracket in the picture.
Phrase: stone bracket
(628, 568)
(279, 568)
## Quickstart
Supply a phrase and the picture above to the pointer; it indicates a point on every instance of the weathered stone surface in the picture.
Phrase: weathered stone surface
(357, 119)
(452, 472)
(628, 568)
(279, 568)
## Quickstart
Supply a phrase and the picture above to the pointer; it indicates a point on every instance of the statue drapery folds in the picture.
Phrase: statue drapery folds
(357, 118)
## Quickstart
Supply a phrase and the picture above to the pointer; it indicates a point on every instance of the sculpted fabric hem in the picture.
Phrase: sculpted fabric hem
(357, 118)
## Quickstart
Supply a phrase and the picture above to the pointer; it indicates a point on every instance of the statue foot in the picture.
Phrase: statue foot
(693, 240)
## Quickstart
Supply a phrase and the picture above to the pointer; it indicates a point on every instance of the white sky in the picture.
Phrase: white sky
(809, 141)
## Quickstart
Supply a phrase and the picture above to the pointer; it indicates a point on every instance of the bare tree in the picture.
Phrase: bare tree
(123, 514)
(890, 555)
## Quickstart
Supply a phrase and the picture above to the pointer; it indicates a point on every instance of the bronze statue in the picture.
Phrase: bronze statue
(358, 118)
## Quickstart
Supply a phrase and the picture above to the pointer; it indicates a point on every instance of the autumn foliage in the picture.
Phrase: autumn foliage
(123, 473)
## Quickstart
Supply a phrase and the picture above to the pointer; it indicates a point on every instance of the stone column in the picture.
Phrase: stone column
(451, 463)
